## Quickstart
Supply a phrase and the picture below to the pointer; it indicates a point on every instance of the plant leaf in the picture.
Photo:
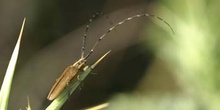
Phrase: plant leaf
(62, 98)
(6, 85)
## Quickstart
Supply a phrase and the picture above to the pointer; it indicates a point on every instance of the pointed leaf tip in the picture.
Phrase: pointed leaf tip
(100, 59)
(22, 28)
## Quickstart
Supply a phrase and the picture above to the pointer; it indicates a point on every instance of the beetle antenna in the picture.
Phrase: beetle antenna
(122, 22)
(85, 35)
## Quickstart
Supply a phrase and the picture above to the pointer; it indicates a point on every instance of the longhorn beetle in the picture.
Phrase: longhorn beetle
(73, 70)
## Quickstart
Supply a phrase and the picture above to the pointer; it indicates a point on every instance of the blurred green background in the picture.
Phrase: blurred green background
(149, 68)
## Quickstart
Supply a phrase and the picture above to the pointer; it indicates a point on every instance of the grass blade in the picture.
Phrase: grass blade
(6, 86)
(62, 98)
